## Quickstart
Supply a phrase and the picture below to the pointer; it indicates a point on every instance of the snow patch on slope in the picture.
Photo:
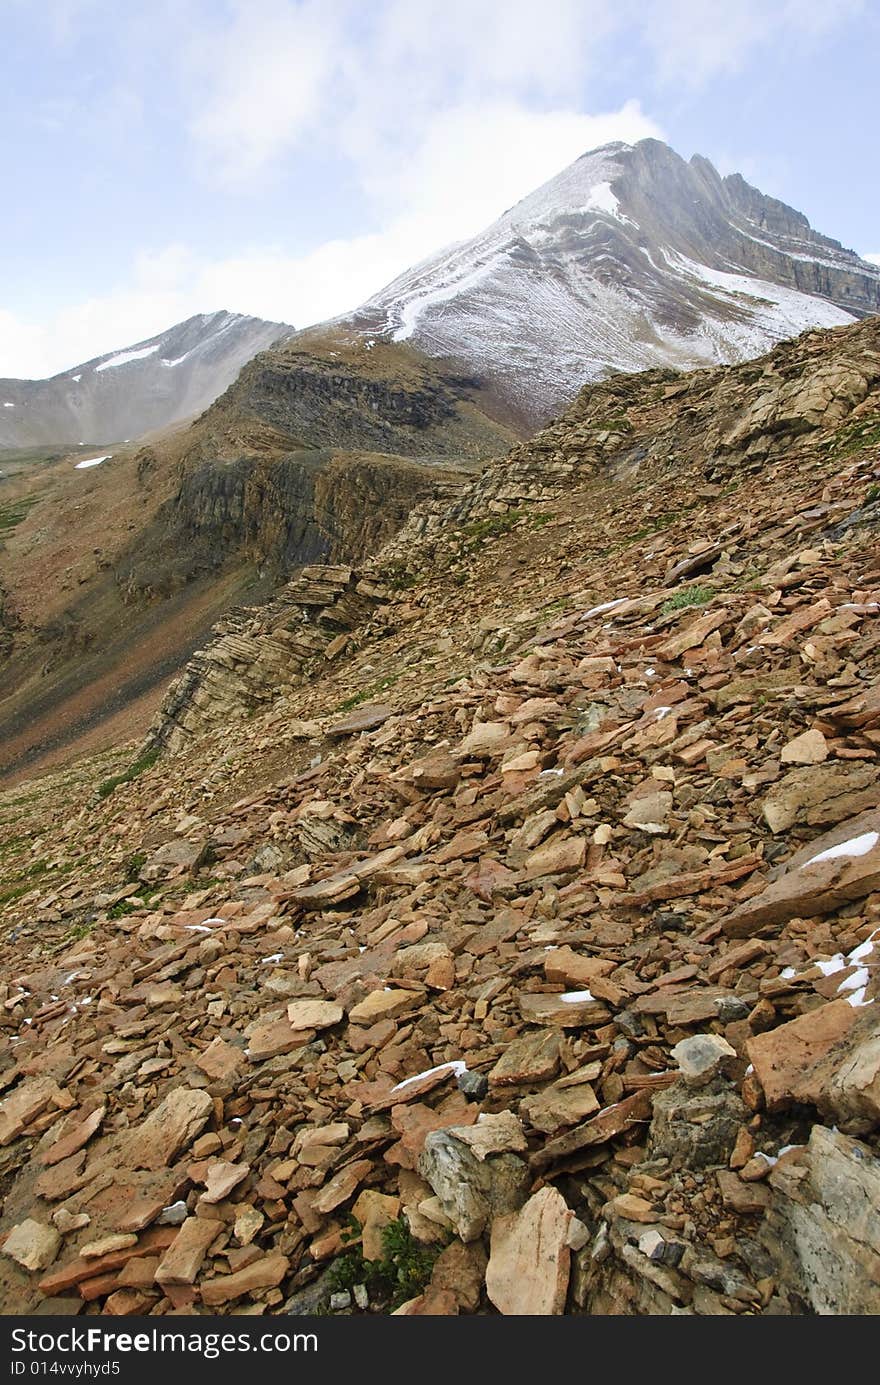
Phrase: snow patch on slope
(123, 357)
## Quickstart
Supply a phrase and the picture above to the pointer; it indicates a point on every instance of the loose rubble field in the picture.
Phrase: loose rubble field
(494, 928)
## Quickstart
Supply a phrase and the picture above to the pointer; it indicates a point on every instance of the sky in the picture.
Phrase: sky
(287, 158)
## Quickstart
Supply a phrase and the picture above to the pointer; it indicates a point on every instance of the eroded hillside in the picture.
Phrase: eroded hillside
(112, 574)
(517, 889)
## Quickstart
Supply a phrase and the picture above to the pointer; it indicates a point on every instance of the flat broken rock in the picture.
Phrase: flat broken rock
(784, 1058)
(529, 1258)
(32, 1244)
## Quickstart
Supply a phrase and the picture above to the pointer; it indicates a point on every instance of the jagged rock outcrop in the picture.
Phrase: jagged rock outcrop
(259, 653)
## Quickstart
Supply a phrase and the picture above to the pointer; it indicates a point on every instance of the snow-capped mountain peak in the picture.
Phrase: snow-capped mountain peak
(629, 258)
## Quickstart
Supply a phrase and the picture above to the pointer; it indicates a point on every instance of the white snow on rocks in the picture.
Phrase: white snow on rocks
(856, 846)
(123, 357)
(92, 461)
(457, 1066)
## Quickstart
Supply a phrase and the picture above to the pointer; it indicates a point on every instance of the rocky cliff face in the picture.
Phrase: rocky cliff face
(628, 259)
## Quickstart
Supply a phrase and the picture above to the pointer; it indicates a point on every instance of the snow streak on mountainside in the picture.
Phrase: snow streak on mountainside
(150, 385)
(630, 258)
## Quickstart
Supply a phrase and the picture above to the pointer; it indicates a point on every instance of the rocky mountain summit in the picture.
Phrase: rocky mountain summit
(490, 926)
(632, 257)
(127, 393)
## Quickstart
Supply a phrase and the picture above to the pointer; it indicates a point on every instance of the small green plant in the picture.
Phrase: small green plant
(490, 528)
(402, 1273)
(688, 596)
(139, 767)
(406, 1263)
(79, 931)
(873, 494)
(398, 577)
(366, 693)
(133, 866)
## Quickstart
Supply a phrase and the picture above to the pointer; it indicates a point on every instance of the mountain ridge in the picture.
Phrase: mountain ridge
(144, 387)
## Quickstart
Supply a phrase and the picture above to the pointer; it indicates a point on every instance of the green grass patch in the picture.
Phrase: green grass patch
(79, 931)
(10, 896)
(495, 525)
(864, 433)
(366, 693)
(688, 596)
(11, 515)
(139, 767)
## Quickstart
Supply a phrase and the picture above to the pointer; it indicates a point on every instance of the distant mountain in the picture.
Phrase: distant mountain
(127, 393)
(629, 258)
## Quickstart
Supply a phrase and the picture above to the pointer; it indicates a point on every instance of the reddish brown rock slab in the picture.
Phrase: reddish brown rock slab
(845, 1082)
(556, 1108)
(107, 1245)
(492, 1134)
(275, 1038)
(75, 1271)
(63, 1179)
(74, 1136)
(692, 882)
(817, 795)
(314, 1014)
(415, 1121)
(433, 1303)
(265, 1273)
(25, 1103)
(529, 1257)
(364, 718)
(834, 874)
(861, 711)
(635, 1109)
(183, 1259)
(784, 1058)
(556, 858)
(632, 1208)
(569, 1009)
(533, 1057)
(691, 636)
(742, 1197)
(411, 1088)
(171, 1127)
(221, 1178)
(489, 878)
(139, 1273)
(341, 1186)
(810, 748)
(220, 1060)
(575, 969)
(127, 1303)
(382, 1005)
(460, 1270)
(374, 1211)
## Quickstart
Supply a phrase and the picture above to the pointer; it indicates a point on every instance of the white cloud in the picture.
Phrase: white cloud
(473, 163)
(872, 259)
(436, 116)
(266, 79)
